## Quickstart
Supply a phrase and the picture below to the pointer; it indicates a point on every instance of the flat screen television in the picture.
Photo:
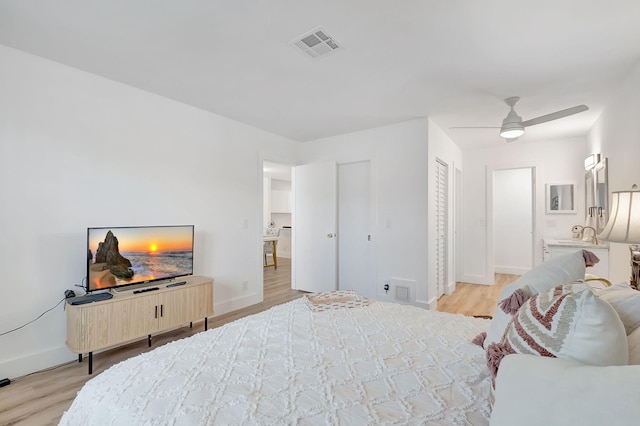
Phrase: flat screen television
(124, 256)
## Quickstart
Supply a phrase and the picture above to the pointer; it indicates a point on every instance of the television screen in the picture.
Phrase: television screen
(122, 256)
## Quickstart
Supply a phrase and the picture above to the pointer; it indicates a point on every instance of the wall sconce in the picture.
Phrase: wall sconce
(591, 161)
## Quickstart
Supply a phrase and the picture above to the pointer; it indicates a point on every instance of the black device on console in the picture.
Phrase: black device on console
(144, 290)
(89, 298)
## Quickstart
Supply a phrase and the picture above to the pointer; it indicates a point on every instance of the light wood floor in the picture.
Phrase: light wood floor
(41, 398)
(475, 299)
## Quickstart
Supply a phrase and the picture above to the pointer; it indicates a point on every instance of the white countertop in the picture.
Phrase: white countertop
(574, 243)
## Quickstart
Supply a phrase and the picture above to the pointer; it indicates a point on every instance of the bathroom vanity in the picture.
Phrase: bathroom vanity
(552, 248)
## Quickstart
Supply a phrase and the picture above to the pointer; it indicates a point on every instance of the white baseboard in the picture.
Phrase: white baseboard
(432, 305)
(477, 279)
(511, 270)
(450, 288)
(236, 303)
(33, 362)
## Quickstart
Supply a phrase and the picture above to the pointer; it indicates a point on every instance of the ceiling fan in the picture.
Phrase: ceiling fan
(513, 126)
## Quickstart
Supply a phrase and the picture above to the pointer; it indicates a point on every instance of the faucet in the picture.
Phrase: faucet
(593, 239)
(577, 231)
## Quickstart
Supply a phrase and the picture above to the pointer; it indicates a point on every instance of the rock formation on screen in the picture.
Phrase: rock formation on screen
(108, 253)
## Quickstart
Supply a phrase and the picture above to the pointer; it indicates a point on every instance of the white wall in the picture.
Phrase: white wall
(398, 155)
(77, 150)
(555, 161)
(616, 135)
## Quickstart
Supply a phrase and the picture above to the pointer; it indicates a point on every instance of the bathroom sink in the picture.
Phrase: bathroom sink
(574, 243)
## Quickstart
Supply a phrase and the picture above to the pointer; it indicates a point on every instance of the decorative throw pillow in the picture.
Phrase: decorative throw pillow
(557, 270)
(626, 302)
(634, 347)
(568, 322)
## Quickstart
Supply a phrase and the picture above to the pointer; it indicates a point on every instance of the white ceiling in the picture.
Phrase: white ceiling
(452, 60)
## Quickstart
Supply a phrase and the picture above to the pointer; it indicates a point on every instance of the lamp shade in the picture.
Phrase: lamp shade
(624, 221)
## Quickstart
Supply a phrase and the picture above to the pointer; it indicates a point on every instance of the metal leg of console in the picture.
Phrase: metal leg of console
(90, 362)
(206, 324)
(79, 357)
(149, 340)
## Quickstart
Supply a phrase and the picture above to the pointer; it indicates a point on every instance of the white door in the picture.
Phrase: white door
(314, 266)
(442, 173)
(355, 263)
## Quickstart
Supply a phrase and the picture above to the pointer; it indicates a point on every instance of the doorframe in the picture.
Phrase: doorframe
(537, 193)
(458, 264)
(448, 230)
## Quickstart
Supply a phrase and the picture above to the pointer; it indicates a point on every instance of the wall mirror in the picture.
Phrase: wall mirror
(596, 190)
(561, 198)
(601, 197)
(589, 191)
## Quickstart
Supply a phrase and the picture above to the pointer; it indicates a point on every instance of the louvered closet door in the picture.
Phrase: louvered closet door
(441, 226)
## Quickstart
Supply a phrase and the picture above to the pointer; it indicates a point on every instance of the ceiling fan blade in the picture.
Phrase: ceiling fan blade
(474, 127)
(555, 115)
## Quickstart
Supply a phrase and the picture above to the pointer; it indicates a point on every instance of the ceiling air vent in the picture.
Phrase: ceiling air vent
(316, 43)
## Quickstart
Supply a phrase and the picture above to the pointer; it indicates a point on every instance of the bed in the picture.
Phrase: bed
(383, 363)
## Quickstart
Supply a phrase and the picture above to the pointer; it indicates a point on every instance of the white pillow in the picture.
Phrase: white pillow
(626, 302)
(557, 270)
(534, 391)
(634, 347)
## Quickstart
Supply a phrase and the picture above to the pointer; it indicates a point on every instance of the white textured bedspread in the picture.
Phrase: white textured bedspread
(382, 364)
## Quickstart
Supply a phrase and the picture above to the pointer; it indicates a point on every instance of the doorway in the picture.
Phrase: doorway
(277, 211)
(513, 220)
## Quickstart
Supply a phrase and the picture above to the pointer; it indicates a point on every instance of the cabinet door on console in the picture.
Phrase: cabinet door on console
(110, 323)
(133, 318)
(136, 317)
(185, 305)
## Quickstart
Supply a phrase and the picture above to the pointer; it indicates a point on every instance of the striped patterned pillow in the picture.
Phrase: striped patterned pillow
(569, 322)
(557, 270)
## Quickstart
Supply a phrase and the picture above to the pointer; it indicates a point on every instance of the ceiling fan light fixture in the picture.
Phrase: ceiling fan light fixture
(512, 125)
(510, 133)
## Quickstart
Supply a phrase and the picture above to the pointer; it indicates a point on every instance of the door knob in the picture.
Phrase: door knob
(329, 235)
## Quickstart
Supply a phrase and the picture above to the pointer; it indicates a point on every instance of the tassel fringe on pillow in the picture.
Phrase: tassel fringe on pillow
(479, 339)
(511, 304)
(495, 353)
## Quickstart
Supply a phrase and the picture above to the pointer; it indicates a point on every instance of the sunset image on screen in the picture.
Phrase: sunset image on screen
(122, 256)
(148, 239)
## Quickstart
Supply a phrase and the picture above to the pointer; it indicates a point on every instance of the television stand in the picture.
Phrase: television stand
(128, 317)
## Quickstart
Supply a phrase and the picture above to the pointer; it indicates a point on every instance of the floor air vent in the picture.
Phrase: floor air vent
(317, 43)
